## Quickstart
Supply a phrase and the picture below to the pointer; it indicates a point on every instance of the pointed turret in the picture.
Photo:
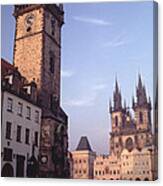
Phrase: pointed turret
(141, 93)
(117, 97)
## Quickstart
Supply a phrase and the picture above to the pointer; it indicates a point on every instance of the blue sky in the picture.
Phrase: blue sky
(99, 42)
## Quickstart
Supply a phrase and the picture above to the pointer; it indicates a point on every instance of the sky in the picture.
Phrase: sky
(100, 42)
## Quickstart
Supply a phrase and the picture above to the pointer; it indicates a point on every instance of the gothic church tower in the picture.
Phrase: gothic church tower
(37, 54)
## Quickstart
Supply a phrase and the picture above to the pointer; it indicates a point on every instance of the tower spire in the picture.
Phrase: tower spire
(117, 97)
(141, 93)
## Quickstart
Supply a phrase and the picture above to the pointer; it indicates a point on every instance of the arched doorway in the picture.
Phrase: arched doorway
(137, 179)
(7, 170)
(146, 179)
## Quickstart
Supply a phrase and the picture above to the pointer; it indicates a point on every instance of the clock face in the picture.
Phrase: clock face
(29, 20)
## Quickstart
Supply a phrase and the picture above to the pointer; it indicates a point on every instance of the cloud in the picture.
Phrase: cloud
(95, 21)
(89, 99)
(119, 40)
(85, 101)
(66, 73)
(99, 87)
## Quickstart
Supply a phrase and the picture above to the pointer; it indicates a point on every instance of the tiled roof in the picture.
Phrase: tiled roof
(84, 144)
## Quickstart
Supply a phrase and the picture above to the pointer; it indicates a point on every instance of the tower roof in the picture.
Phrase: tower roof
(84, 144)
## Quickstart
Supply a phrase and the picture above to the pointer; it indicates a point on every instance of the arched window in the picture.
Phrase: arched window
(51, 62)
(140, 117)
(116, 121)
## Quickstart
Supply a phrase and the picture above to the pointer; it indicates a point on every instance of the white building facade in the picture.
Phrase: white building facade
(20, 128)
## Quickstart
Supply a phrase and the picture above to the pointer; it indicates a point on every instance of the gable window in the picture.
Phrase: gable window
(8, 130)
(20, 109)
(9, 104)
(18, 137)
(27, 132)
(28, 112)
(140, 117)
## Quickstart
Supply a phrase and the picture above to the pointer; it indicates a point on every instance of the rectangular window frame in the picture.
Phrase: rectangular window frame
(27, 136)
(8, 130)
(9, 104)
(28, 113)
(20, 108)
(18, 133)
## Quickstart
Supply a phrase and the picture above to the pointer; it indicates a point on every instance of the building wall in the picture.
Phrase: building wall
(19, 148)
(137, 165)
(83, 164)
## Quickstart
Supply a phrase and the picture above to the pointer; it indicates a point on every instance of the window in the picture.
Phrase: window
(107, 170)
(7, 154)
(28, 112)
(37, 116)
(36, 139)
(18, 137)
(96, 172)
(8, 130)
(52, 25)
(140, 117)
(20, 109)
(116, 121)
(9, 104)
(51, 64)
(27, 136)
(114, 172)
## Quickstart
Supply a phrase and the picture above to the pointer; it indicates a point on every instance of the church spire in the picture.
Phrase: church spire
(141, 93)
(117, 97)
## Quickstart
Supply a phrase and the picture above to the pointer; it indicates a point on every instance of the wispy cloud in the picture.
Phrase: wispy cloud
(99, 86)
(67, 73)
(84, 101)
(89, 99)
(95, 21)
(119, 40)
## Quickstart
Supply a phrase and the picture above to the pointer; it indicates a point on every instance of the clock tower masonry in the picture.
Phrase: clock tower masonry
(37, 54)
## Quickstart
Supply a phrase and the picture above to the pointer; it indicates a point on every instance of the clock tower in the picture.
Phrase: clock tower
(37, 54)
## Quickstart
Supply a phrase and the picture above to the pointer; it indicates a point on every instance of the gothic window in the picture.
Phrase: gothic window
(8, 130)
(54, 103)
(116, 121)
(51, 62)
(129, 144)
(52, 25)
(140, 117)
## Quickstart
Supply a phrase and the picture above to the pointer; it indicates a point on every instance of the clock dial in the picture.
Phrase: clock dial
(29, 20)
